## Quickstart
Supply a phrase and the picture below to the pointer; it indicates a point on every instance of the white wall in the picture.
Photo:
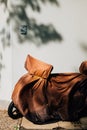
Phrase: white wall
(6, 60)
(70, 19)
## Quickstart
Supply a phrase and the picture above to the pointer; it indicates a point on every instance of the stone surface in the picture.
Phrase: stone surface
(6, 123)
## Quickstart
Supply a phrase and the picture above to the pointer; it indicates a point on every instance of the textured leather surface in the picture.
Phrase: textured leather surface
(41, 95)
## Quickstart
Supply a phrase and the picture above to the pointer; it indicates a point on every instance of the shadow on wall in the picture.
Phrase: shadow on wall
(4, 33)
(84, 47)
(41, 34)
(30, 30)
(1, 65)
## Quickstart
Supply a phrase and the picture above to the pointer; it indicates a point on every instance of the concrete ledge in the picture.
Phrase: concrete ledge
(27, 125)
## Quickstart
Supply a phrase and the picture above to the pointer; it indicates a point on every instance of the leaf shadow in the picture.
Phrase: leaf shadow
(37, 33)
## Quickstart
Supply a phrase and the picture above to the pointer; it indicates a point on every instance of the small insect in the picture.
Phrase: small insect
(23, 29)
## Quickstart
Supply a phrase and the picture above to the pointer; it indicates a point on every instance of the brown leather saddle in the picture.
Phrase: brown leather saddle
(42, 96)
